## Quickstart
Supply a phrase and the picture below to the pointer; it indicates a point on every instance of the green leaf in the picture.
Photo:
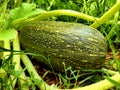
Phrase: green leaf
(7, 34)
(24, 11)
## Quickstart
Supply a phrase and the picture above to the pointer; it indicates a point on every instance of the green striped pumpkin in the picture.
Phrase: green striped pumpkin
(59, 44)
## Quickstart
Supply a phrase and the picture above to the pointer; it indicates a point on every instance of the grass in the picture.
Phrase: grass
(100, 14)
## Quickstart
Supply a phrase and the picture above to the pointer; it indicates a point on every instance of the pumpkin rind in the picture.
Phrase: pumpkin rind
(73, 44)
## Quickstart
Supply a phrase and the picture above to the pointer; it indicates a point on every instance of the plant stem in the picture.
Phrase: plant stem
(7, 46)
(42, 85)
(48, 14)
(22, 80)
(16, 58)
(109, 71)
(17, 3)
(116, 17)
(6, 54)
(101, 85)
(105, 17)
(51, 3)
(118, 22)
(4, 6)
(110, 34)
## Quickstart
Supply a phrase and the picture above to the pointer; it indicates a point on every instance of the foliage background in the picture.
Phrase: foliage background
(95, 8)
